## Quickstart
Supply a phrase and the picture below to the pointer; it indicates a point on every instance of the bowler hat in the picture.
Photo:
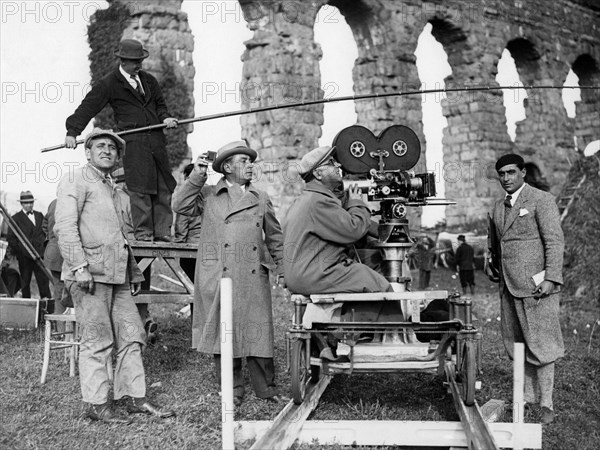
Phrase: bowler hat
(131, 49)
(98, 132)
(26, 197)
(314, 158)
(233, 148)
(461, 237)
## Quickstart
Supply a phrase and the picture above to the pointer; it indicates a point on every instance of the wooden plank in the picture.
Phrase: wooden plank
(19, 313)
(378, 296)
(183, 299)
(390, 432)
(176, 268)
(284, 429)
(164, 249)
(380, 352)
(144, 263)
(341, 367)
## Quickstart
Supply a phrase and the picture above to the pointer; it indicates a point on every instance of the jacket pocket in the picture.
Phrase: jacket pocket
(95, 258)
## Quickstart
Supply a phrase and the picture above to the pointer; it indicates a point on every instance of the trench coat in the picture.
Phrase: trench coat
(530, 240)
(317, 232)
(145, 153)
(241, 240)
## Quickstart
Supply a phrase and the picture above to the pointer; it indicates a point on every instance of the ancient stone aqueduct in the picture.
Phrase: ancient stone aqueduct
(546, 40)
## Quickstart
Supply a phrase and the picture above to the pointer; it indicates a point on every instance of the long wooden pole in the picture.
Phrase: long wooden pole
(518, 392)
(227, 337)
(330, 100)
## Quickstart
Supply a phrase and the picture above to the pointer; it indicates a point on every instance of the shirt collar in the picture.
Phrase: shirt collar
(229, 184)
(127, 76)
(515, 195)
(101, 174)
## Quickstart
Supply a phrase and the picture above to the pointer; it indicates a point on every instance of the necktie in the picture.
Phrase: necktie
(139, 87)
(30, 213)
(507, 206)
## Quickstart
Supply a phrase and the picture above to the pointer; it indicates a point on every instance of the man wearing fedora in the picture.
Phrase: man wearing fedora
(241, 239)
(137, 101)
(30, 223)
(91, 224)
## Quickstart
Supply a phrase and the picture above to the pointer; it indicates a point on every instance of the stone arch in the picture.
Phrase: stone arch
(470, 145)
(533, 141)
(587, 117)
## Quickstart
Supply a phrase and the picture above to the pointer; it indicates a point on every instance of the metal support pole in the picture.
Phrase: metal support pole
(518, 389)
(227, 412)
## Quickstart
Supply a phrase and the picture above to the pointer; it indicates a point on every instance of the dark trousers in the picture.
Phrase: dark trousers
(152, 214)
(262, 375)
(28, 267)
(11, 281)
(424, 277)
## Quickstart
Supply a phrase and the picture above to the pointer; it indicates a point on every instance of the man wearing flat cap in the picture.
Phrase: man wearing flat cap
(240, 239)
(93, 227)
(530, 245)
(137, 101)
(30, 223)
(318, 230)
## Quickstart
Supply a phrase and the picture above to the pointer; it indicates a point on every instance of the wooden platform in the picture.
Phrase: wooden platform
(170, 253)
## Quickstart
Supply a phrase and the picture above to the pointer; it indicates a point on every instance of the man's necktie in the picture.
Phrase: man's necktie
(507, 206)
(139, 87)
(30, 213)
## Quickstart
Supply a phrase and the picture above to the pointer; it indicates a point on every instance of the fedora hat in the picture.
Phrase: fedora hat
(98, 132)
(131, 49)
(233, 148)
(26, 197)
(314, 158)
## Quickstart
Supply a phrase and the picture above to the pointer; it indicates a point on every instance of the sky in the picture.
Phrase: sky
(44, 75)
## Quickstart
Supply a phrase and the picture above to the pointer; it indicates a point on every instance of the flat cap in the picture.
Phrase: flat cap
(98, 133)
(314, 158)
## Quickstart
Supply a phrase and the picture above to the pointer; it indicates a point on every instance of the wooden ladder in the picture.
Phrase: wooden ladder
(567, 197)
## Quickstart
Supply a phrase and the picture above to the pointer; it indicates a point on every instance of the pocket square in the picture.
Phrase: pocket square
(523, 212)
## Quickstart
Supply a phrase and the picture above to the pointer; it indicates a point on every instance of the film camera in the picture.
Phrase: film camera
(383, 166)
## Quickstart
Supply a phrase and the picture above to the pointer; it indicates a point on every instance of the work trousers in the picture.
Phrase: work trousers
(151, 213)
(28, 267)
(262, 376)
(108, 319)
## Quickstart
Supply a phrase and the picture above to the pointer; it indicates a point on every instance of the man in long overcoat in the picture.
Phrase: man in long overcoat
(241, 239)
(137, 101)
(526, 223)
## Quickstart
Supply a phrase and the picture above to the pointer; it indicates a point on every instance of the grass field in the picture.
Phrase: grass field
(52, 416)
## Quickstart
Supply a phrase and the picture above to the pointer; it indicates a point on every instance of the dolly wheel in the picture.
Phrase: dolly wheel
(467, 372)
(299, 371)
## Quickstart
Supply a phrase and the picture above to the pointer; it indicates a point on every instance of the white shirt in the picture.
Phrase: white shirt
(30, 216)
(243, 186)
(131, 79)
(515, 195)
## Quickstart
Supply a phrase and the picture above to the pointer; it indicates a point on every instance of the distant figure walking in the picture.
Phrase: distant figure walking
(424, 256)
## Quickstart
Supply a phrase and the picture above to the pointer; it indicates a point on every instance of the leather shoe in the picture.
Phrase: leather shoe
(278, 399)
(151, 335)
(137, 406)
(105, 413)
(547, 415)
(163, 239)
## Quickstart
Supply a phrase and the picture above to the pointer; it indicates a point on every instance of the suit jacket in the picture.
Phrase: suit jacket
(145, 152)
(464, 257)
(92, 226)
(531, 240)
(34, 233)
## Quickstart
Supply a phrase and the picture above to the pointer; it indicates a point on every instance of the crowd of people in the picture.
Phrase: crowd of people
(89, 228)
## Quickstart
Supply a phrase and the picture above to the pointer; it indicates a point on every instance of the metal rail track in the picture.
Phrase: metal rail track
(289, 422)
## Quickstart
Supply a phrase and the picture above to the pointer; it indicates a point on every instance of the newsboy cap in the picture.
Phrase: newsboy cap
(511, 158)
(98, 133)
(131, 49)
(233, 148)
(26, 197)
(314, 158)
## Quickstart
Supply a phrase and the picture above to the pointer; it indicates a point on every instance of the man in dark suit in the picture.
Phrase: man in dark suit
(137, 101)
(30, 223)
(530, 243)
(464, 264)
